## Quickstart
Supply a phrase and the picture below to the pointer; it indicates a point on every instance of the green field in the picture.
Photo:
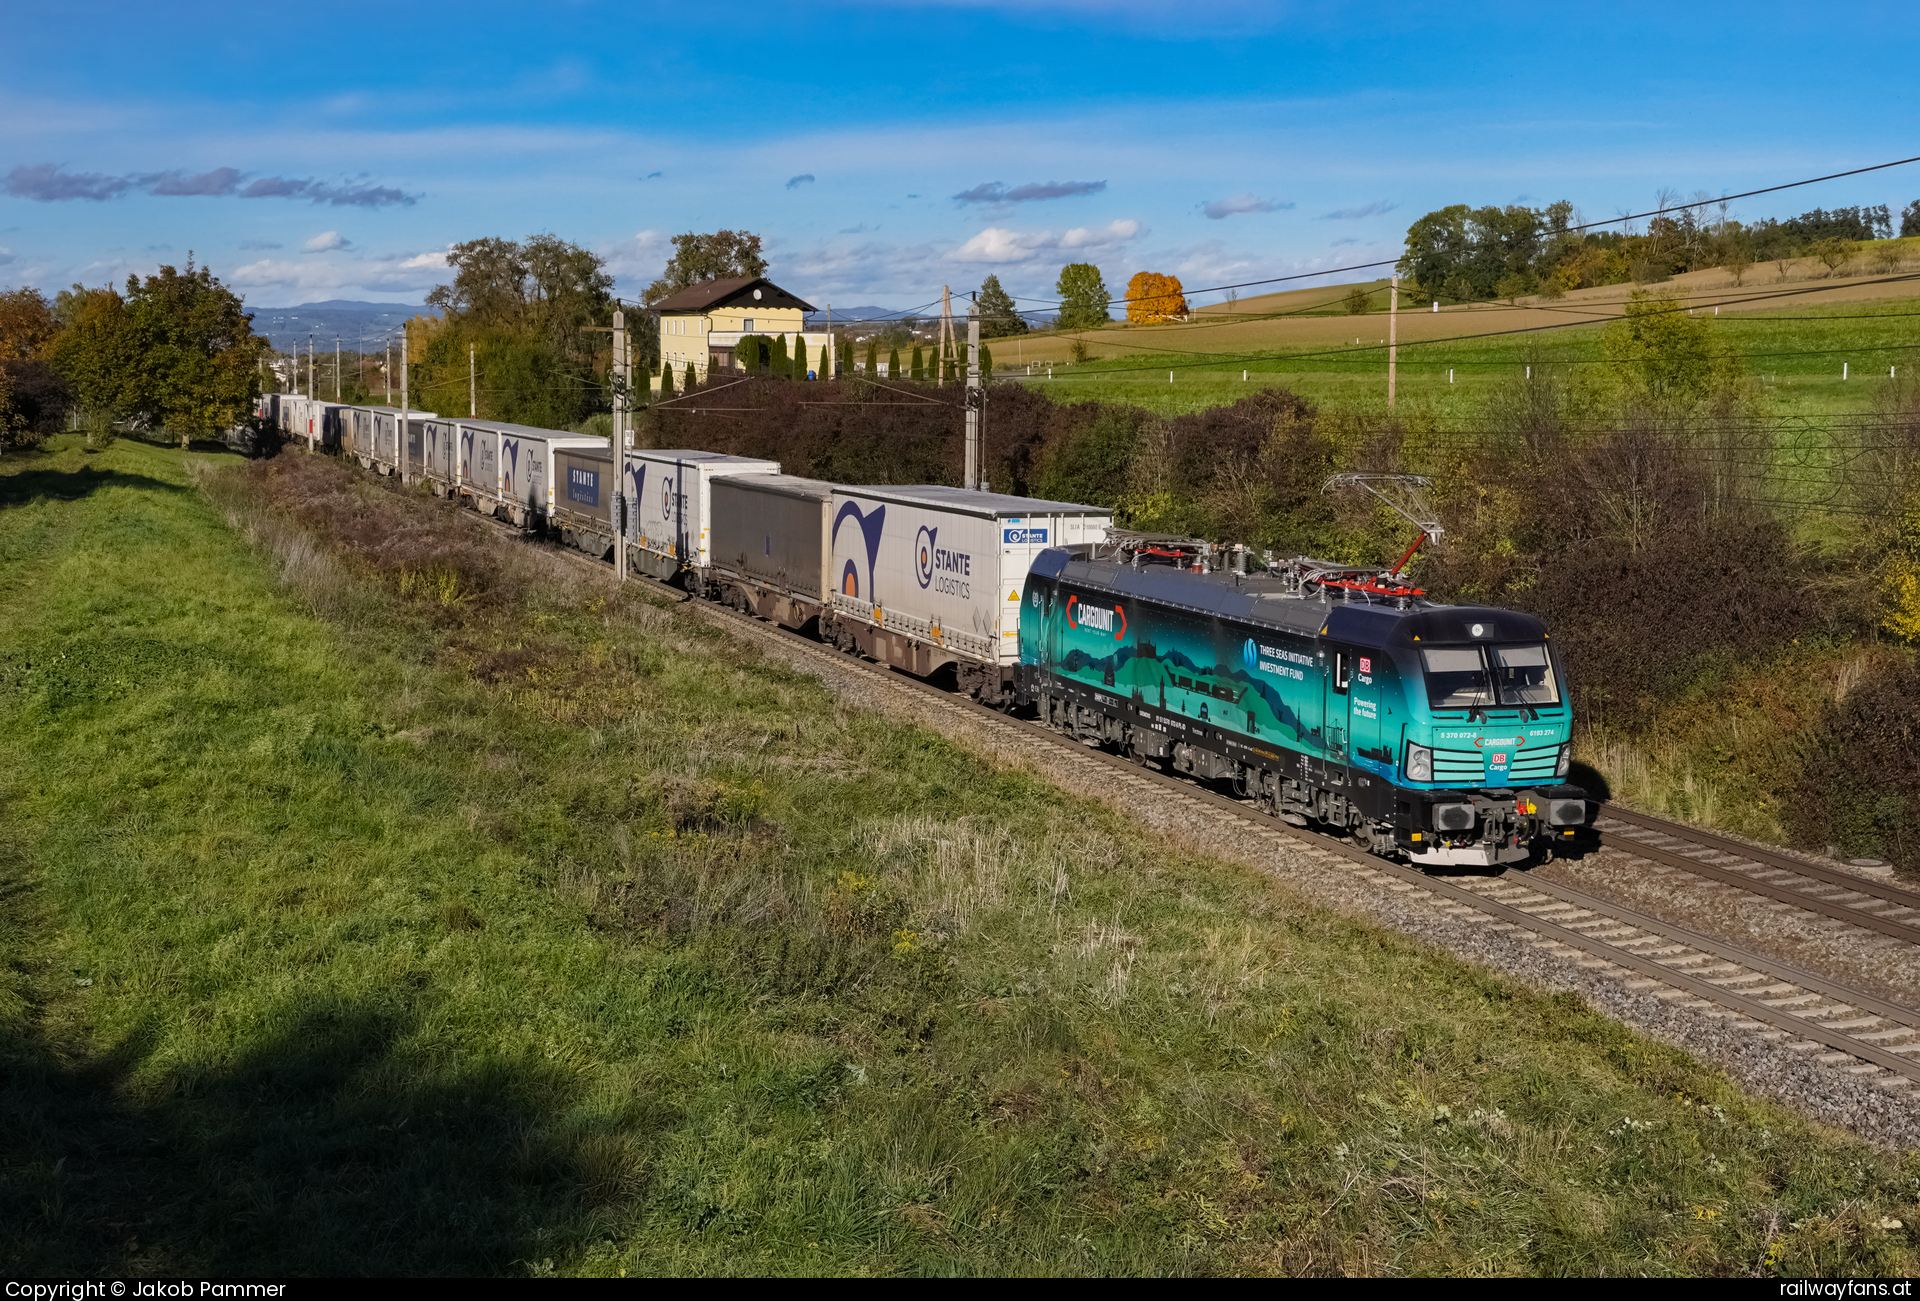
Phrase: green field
(1795, 355)
(375, 906)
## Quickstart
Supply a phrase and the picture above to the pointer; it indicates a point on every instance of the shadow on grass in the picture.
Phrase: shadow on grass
(1589, 779)
(317, 1152)
(74, 485)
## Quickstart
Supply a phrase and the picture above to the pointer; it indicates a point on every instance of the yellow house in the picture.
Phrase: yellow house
(702, 323)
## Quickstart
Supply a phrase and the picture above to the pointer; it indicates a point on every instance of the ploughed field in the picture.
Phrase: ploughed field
(381, 898)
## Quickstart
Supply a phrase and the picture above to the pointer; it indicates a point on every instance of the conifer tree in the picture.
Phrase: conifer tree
(666, 380)
(799, 356)
(986, 363)
(691, 377)
(919, 371)
(998, 316)
(777, 363)
(893, 363)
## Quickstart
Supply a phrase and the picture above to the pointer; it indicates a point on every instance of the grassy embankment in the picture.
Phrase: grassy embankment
(385, 911)
(1298, 337)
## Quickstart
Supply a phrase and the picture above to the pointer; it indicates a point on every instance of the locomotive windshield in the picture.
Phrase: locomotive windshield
(1473, 677)
(1457, 678)
(1523, 675)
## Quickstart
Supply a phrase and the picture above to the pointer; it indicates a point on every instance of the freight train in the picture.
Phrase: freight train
(1324, 694)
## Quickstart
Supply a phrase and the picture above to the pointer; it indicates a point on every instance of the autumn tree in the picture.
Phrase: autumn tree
(1154, 297)
(722, 255)
(1084, 297)
(998, 315)
(27, 324)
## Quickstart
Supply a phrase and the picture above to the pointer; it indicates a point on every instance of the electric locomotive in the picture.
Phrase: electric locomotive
(1325, 693)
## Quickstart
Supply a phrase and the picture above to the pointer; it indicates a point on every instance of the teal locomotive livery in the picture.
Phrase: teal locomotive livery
(1323, 693)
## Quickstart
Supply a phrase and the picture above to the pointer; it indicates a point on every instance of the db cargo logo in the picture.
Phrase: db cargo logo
(1098, 618)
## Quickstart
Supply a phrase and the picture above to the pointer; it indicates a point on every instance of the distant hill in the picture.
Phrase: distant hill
(355, 324)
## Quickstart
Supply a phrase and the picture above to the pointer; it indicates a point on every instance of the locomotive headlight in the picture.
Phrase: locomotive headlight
(1419, 763)
(1566, 758)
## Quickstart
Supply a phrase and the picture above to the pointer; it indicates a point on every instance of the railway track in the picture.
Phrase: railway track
(1878, 906)
(1846, 1028)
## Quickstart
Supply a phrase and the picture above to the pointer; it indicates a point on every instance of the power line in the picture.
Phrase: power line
(1582, 229)
(1362, 351)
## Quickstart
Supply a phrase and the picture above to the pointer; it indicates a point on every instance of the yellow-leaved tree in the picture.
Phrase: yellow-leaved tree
(1154, 297)
(1900, 576)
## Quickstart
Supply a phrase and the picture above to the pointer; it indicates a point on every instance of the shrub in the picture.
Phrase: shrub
(1858, 788)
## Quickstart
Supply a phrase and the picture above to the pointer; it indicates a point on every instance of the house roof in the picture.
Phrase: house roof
(739, 290)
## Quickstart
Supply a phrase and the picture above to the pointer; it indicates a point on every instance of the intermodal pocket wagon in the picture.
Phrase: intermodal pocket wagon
(926, 576)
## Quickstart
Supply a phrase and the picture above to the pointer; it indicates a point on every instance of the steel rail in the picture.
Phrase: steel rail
(1420, 885)
(1852, 915)
(1764, 857)
(1711, 990)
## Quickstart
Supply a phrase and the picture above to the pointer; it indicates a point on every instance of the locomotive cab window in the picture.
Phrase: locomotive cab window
(1524, 675)
(1457, 678)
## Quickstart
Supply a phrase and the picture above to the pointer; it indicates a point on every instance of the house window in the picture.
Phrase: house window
(746, 325)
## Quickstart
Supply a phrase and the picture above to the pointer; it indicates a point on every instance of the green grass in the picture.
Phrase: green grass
(1794, 353)
(500, 927)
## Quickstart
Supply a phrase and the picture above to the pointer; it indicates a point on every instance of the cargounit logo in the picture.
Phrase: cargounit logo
(1097, 618)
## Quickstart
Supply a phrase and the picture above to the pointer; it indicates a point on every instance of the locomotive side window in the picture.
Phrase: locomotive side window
(1342, 671)
(1524, 676)
(1457, 678)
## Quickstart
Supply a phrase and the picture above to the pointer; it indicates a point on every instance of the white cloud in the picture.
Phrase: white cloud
(326, 242)
(1114, 232)
(342, 277)
(1000, 245)
(636, 261)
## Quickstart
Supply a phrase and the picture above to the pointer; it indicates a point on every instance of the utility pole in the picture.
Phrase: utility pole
(310, 367)
(1393, 337)
(473, 386)
(336, 369)
(617, 504)
(387, 370)
(975, 397)
(826, 371)
(946, 343)
(401, 450)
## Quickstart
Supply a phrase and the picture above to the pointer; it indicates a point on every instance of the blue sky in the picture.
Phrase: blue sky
(885, 150)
